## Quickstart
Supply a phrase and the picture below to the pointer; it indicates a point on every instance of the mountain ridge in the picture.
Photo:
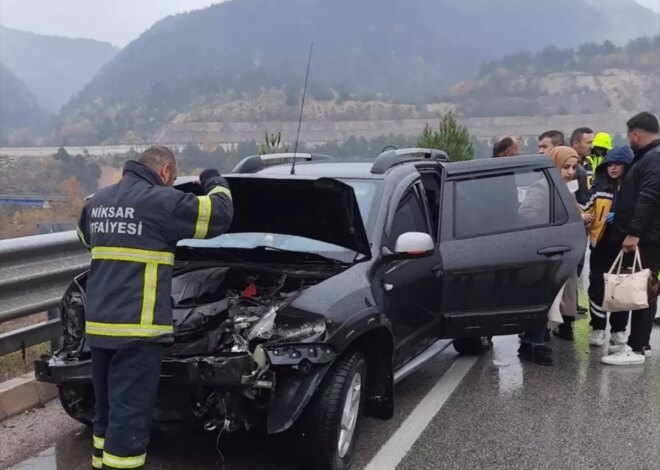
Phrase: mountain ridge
(20, 117)
(54, 68)
(384, 50)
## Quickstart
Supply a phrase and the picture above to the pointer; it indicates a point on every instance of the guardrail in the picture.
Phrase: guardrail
(34, 273)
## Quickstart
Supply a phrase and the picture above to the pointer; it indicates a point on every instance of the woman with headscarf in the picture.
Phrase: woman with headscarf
(605, 245)
(535, 208)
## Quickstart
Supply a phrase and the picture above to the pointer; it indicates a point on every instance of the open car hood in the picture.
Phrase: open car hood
(323, 209)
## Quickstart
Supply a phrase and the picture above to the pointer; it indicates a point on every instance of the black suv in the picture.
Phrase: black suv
(338, 279)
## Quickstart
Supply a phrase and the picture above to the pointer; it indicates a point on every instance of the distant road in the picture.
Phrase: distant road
(176, 135)
(94, 150)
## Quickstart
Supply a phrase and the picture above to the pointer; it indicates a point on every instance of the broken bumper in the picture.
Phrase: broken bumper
(215, 371)
(212, 371)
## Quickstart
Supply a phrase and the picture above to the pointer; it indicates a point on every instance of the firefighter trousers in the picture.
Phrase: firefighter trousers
(125, 385)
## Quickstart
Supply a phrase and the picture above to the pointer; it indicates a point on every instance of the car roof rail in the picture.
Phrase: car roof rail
(390, 158)
(255, 163)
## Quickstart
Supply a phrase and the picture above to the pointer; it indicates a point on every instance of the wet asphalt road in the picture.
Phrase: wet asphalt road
(503, 415)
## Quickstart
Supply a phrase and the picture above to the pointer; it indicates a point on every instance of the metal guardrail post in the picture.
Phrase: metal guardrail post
(55, 343)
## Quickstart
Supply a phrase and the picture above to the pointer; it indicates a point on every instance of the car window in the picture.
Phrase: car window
(560, 213)
(501, 203)
(409, 217)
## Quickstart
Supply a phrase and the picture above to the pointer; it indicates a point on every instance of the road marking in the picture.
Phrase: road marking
(396, 448)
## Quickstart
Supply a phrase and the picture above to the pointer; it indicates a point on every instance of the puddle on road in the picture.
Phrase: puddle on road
(71, 451)
(508, 366)
(44, 460)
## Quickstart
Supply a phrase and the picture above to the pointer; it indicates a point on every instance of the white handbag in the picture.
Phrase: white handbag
(627, 291)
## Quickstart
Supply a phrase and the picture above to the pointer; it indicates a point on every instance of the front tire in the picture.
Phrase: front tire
(330, 423)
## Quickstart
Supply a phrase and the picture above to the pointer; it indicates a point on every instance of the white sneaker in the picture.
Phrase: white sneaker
(617, 341)
(648, 352)
(625, 357)
(597, 338)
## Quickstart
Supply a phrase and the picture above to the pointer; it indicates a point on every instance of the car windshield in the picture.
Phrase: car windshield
(365, 192)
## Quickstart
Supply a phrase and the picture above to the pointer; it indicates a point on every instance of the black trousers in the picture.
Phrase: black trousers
(125, 386)
(641, 323)
(601, 259)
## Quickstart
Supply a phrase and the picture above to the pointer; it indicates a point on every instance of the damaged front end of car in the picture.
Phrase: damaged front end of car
(246, 346)
(240, 351)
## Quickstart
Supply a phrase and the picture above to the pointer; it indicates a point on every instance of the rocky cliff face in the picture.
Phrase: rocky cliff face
(559, 93)
(495, 105)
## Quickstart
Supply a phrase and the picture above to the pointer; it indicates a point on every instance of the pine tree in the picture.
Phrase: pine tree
(272, 144)
(451, 137)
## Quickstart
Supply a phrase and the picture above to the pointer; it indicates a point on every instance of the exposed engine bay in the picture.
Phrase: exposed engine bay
(230, 310)
(216, 309)
(232, 331)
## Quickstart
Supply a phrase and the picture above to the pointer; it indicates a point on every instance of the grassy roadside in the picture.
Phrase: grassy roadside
(15, 364)
(20, 362)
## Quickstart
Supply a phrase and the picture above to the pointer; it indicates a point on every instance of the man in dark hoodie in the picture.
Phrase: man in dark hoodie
(638, 220)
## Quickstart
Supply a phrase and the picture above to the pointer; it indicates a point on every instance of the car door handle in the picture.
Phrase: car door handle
(554, 250)
(438, 270)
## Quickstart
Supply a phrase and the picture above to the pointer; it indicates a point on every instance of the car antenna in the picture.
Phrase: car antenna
(302, 107)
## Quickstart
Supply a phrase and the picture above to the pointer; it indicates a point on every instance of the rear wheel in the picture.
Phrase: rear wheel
(78, 402)
(473, 346)
(331, 421)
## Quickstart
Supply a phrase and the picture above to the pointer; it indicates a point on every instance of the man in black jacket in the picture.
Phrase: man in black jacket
(582, 139)
(638, 220)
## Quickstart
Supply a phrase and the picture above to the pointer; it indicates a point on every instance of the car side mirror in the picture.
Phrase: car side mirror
(410, 245)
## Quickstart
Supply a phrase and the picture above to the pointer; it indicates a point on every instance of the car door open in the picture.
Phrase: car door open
(509, 241)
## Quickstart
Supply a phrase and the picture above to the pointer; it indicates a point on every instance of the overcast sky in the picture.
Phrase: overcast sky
(114, 21)
(652, 4)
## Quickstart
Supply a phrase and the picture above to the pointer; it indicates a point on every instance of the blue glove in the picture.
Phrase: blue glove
(609, 218)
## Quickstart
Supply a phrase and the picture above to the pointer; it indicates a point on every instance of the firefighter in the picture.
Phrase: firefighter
(132, 229)
(601, 145)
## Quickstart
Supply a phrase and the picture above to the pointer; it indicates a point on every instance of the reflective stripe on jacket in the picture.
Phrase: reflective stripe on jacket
(132, 229)
(591, 164)
(599, 205)
(594, 162)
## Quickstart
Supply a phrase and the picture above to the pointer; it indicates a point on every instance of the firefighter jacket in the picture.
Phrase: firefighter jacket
(132, 229)
(603, 193)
